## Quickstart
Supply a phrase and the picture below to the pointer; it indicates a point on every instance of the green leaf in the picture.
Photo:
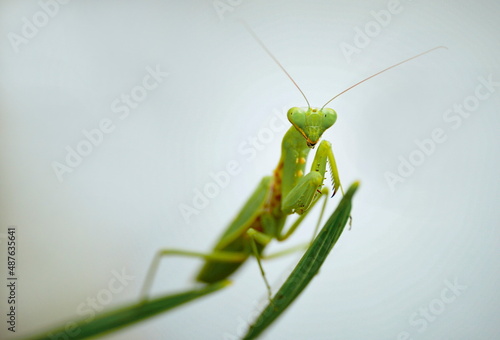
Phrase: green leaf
(307, 267)
(127, 315)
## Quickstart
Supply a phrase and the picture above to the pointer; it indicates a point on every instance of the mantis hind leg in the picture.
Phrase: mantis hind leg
(219, 256)
(258, 238)
(231, 250)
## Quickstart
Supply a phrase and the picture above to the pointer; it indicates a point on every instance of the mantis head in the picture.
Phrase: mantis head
(311, 122)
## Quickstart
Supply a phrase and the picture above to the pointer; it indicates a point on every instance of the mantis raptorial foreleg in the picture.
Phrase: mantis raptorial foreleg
(283, 236)
(301, 196)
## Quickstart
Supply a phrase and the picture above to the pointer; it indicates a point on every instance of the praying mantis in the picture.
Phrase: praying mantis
(289, 190)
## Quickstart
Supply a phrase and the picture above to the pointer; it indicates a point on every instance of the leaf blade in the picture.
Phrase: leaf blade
(127, 315)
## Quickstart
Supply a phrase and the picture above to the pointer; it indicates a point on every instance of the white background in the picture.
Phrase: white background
(121, 204)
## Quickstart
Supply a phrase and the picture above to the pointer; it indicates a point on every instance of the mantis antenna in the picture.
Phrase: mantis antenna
(349, 88)
(275, 60)
(387, 69)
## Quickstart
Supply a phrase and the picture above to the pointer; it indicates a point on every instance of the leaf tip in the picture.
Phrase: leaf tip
(352, 189)
(225, 283)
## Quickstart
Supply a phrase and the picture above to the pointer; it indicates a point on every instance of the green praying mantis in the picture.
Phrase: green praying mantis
(289, 190)
(263, 218)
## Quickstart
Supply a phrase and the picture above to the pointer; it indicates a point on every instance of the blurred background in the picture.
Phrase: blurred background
(116, 118)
